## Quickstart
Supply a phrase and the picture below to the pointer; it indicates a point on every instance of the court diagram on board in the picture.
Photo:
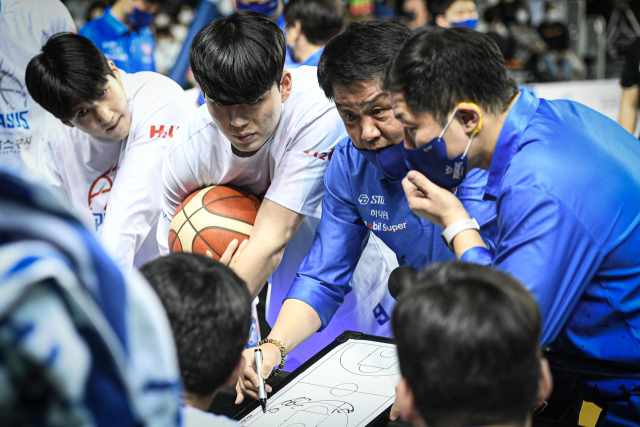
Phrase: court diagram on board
(348, 387)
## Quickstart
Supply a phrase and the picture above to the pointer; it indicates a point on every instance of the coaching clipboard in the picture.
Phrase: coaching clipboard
(350, 383)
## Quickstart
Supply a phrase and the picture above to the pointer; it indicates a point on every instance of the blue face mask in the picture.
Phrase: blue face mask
(432, 159)
(268, 8)
(469, 23)
(389, 160)
(139, 19)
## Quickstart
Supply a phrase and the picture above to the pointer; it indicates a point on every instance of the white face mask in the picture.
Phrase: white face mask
(522, 17)
(185, 17)
(554, 16)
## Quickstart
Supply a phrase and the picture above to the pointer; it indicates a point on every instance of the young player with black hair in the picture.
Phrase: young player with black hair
(567, 186)
(268, 130)
(363, 201)
(469, 350)
(310, 24)
(453, 13)
(107, 160)
(209, 309)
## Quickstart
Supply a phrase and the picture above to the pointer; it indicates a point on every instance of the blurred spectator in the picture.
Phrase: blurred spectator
(630, 94)
(556, 35)
(272, 8)
(414, 14)
(498, 31)
(508, 10)
(122, 34)
(453, 13)
(528, 43)
(309, 26)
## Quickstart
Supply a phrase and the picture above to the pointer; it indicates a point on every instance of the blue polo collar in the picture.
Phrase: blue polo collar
(509, 139)
(116, 25)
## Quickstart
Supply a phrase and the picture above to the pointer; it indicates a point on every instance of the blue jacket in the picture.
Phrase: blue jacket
(566, 180)
(359, 200)
(131, 51)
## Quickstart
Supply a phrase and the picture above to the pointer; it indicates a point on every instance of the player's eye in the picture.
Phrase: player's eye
(104, 92)
(377, 111)
(82, 112)
(350, 117)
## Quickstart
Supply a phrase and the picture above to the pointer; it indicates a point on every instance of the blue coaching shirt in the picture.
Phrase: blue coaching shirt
(312, 60)
(131, 51)
(567, 184)
(358, 200)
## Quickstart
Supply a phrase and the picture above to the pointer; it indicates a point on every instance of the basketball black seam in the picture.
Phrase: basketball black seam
(188, 217)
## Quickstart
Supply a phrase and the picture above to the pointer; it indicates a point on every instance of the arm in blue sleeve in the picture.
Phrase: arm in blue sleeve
(323, 277)
(543, 244)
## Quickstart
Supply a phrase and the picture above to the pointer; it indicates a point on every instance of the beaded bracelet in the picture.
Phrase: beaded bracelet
(283, 353)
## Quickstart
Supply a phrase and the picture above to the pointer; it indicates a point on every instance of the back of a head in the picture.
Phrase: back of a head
(441, 67)
(320, 20)
(468, 345)
(209, 309)
(236, 59)
(439, 7)
(70, 69)
(360, 53)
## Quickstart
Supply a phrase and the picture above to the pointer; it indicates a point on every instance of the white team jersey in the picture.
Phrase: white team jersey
(25, 25)
(288, 169)
(114, 186)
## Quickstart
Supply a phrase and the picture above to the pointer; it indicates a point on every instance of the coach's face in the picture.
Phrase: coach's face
(108, 116)
(367, 115)
(249, 126)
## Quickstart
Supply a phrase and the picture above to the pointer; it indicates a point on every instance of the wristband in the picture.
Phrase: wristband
(456, 228)
(283, 353)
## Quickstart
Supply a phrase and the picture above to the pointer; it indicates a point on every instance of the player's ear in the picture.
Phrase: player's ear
(407, 404)
(115, 71)
(233, 378)
(285, 85)
(68, 123)
(545, 385)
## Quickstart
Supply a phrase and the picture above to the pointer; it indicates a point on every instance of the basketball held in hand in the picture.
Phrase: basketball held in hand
(210, 218)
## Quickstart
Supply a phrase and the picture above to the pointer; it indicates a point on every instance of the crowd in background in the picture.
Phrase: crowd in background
(532, 35)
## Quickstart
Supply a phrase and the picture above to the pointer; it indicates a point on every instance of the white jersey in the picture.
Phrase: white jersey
(114, 186)
(288, 169)
(25, 25)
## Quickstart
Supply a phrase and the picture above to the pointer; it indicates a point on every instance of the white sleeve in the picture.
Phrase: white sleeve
(47, 168)
(298, 183)
(134, 202)
(179, 179)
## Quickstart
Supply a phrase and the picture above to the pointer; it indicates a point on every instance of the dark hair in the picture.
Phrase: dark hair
(468, 344)
(360, 53)
(441, 67)
(319, 19)
(209, 309)
(439, 7)
(235, 60)
(69, 70)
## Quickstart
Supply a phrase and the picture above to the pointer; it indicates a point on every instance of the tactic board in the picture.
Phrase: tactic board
(351, 383)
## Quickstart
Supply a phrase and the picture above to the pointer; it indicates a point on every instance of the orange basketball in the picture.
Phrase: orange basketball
(210, 218)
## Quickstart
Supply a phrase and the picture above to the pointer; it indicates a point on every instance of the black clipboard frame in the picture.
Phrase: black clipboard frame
(381, 420)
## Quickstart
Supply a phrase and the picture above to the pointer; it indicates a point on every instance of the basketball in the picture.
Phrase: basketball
(210, 218)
